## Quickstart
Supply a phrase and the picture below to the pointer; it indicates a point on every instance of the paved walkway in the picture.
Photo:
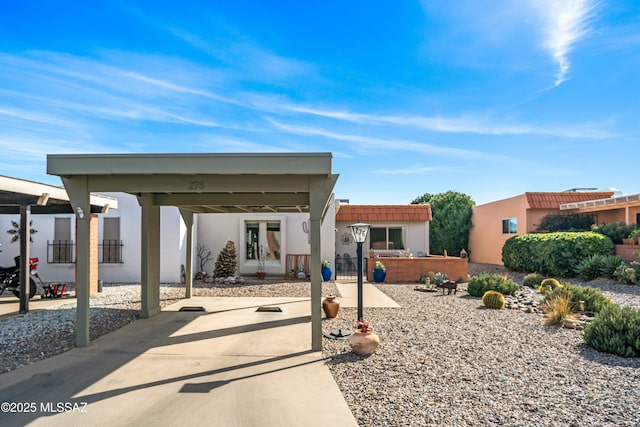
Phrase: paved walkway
(227, 366)
(371, 296)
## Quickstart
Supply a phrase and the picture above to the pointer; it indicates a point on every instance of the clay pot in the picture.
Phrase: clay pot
(364, 344)
(330, 305)
(261, 274)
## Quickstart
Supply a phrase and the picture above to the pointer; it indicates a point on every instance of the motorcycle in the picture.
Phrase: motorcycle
(10, 277)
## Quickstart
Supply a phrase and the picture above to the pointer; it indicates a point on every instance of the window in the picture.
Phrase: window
(262, 237)
(510, 226)
(62, 247)
(111, 248)
(387, 238)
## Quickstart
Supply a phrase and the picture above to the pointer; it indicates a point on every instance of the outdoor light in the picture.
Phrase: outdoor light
(359, 232)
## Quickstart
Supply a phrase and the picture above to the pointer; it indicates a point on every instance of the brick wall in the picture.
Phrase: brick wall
(626, 252)
(93, 255)
(409, 270)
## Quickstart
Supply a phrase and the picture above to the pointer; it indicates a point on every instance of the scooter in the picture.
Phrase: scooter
(10, 277)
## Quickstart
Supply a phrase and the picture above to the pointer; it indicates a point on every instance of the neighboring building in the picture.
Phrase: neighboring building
(493, 223)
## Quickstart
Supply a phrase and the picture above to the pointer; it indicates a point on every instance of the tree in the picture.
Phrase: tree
(449, 227)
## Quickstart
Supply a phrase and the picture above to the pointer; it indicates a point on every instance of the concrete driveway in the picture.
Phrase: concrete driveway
(227, 366)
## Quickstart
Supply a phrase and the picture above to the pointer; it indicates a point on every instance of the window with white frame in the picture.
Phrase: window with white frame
(262, 238)
(510, 226)
(386, 238)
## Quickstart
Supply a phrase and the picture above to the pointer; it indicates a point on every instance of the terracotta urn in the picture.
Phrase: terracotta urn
(330, 305)
(364, 343)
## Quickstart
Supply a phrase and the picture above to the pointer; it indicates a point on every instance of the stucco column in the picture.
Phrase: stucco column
(316, 285)
(150, 260)
(78, 191)
(187, 217)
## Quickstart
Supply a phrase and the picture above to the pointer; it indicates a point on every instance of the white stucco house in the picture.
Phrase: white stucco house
(282, 237)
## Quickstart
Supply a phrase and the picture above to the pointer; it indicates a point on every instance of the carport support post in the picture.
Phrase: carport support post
(187, 217)
(150, 262)
(316, 286)
(78, 191)
(25, 236)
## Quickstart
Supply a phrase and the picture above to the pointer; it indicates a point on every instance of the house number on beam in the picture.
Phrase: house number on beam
(196, 185)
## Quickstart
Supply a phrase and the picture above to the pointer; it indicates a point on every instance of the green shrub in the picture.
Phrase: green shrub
(615, 231)
(493, 299)
(594, 300)
(589, 268)
(533, 280)
(438, 278)
(615, 330)
(609, 264)
(553, 254)
(628, 274)
(625, 274)
(484, 282)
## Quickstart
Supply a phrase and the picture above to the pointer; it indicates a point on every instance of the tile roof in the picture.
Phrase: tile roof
(377, 213)
(549, 200)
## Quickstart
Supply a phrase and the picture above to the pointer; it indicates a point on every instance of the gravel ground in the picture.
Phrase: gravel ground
(443, 360)
(448, 361)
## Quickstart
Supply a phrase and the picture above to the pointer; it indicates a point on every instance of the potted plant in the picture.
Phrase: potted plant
(634, 236)
(379, 272)
(326, 271)
(363, 341)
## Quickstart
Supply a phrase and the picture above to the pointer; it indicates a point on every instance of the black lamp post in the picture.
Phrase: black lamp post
(359, 232)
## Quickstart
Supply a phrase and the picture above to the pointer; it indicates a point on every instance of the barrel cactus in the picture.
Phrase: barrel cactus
(549, 285)
(493, 299)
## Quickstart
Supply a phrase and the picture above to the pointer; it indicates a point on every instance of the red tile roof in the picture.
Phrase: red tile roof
(554, 200)
(377, 213)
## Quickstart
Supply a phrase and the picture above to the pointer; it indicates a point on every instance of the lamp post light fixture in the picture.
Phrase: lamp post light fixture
(359, 232)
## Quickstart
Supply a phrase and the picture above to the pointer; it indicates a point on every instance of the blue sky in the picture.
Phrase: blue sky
(491, 99)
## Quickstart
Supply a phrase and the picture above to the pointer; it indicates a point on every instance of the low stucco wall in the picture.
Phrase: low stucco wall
(626, 252)
(409, 270)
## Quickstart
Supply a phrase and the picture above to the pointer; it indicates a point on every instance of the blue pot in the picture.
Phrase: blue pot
(326, 273)
(379, 275)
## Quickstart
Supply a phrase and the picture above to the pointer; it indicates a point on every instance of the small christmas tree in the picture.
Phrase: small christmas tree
(226, 263)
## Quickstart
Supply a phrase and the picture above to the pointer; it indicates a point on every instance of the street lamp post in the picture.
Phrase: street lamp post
(359, 232)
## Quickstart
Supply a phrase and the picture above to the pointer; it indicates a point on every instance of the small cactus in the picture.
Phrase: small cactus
(493, 299)
(549, 285)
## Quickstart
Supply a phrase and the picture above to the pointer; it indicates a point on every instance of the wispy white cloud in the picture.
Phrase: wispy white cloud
(387, 143)
(474, 124)
(564, 23)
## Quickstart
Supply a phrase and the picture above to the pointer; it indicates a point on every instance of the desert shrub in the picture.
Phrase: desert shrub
(549, 285)
(628, 274)
(533, 280)
(438, 278)
(589, 268)
(484, 282)
(493, 299)
(615, 231)
(557, 309)
(615, 330)
(553, 254)
(609, 264)
(594, 300)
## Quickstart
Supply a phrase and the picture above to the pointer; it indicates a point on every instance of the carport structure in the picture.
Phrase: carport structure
(195, 183)
(18, 196)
